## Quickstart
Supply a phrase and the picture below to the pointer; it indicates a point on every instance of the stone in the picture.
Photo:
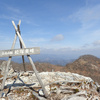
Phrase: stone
(47, 89)
(58, 91)
(11, 71)
(4, 66)
(26, 74)
(29, 94)
(67, 86)
(81, 93)
(98, 89)
(77, 98)
(67, 91)
(95, 98)
(3, 99)
(41, 92)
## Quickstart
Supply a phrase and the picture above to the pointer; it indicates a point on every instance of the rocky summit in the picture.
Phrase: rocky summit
(59, 86)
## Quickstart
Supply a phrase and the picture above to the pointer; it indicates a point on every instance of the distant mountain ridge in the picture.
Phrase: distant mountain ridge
(87, 65)
(54, 59)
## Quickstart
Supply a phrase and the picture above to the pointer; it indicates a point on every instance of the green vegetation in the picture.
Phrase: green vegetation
(76, 90)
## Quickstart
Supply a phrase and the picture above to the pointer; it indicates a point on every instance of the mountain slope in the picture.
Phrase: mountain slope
(87, 65)
(39, 66)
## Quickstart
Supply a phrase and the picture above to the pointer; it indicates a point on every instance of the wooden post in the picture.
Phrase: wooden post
(21, 47)
(8, 64)
(7, 69)
(33, 66)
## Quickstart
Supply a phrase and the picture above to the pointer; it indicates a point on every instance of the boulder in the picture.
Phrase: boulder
(41, 92)
(3, 68)
(26, 74)
(77, 98)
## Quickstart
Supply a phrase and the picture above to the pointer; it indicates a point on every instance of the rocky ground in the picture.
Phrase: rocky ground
(59, 86)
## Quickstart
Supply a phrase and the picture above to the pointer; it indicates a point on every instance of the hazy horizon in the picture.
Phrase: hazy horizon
(68, 27)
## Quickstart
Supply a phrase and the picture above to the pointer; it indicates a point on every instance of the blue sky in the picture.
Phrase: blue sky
(56, 26)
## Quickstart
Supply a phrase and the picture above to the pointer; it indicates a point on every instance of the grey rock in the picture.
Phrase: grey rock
(78, 98)
(41, 92)
(3, 68)
(26, 74)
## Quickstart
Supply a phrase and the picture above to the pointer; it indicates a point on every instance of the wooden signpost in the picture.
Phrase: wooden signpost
(20, 52)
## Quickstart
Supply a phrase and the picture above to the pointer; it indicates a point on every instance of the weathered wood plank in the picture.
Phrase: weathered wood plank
(19, 52)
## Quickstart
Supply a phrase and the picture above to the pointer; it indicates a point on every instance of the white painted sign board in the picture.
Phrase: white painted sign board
(19, 52)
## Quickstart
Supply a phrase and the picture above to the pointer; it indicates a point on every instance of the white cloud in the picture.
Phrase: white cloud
(15, 14)
(8, 17)
(88, 20)
(13, 9)
(70, 52)
(96, 43)
(91, 36)
(37, 40)
(58, 37)
(87, 16)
